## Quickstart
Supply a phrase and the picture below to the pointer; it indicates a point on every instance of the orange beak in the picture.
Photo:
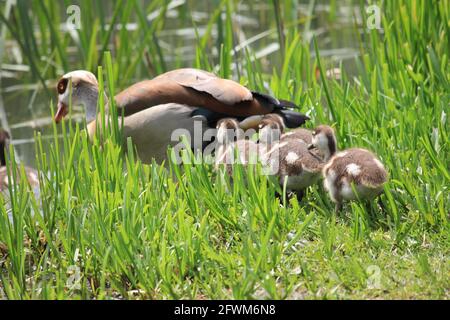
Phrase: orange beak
(62, 111)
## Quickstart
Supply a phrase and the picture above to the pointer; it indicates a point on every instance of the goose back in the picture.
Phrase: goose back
(200, 89)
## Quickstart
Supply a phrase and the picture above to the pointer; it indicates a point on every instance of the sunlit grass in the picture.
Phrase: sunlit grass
(107, 226)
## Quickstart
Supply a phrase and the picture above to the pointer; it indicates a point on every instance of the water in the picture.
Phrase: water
(28, 106)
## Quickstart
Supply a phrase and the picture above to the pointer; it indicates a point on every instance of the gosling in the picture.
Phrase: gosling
(351, 174)
(271, 128)
(289, 158)
(276, 124)
(300, 133)
(232, 146)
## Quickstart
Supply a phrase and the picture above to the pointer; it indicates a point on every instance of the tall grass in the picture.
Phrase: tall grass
(107, 226)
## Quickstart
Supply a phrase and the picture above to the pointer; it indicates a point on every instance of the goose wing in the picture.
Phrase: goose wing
(197, 88)
(226, 91)
(194, 88)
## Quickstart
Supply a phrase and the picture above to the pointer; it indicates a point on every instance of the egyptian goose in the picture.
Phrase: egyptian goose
(32, 174)
(350, 174)
(288, 156)
(154, 108)
(233, 147)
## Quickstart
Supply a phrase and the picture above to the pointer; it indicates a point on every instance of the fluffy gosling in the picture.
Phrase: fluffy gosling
(232, 147)
(350, 174)
(300, 134)
(288, 156)
(296, 164)
(271, 128)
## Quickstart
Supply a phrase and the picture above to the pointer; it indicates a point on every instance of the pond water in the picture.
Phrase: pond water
(27, 106)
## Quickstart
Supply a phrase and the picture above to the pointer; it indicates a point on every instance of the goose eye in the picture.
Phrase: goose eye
(62, 85)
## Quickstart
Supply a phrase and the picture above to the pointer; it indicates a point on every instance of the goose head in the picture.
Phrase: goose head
(80, 87)
(4, 142)
(324, 139)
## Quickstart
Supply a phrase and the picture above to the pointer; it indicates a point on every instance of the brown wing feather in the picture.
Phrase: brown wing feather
(224, 90)
(188, 75)
(194, 88)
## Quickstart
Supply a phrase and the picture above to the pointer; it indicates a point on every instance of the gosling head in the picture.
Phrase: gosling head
(228, 130)
(324, 139)
(81, 87)
(271, 127)
(4, 142)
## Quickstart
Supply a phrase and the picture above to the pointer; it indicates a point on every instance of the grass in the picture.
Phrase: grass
(111, 227)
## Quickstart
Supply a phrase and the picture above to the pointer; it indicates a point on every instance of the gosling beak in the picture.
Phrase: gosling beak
(311, 146)
(62, 111)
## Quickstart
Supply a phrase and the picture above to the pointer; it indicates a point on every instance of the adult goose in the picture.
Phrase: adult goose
(154, 108)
